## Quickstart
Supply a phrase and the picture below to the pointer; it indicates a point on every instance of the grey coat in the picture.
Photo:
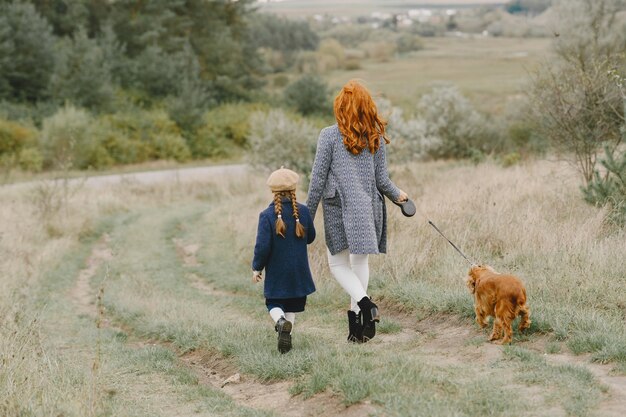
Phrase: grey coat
(350, 188)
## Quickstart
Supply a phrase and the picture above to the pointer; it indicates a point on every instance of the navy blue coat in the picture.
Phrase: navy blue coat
(285, 260)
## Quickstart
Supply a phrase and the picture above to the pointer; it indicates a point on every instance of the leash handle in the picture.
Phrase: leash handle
(450, 242)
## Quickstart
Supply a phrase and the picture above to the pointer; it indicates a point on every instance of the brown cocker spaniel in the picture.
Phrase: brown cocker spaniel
(501, 296)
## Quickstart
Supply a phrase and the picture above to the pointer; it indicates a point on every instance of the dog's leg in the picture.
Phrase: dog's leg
(524, 313)
(481, 319)
(508, 331)
(497, 330)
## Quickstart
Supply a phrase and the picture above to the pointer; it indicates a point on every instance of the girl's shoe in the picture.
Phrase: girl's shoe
(369, 311)
(355, 328)
(407, 207)
(283, 327)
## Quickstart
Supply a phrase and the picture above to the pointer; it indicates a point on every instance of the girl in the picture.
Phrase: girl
(285, 229)
(350, 177)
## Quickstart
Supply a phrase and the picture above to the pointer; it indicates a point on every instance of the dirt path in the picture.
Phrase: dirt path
(211, 369)
(444, 340)
(81, 293)
(145, 177)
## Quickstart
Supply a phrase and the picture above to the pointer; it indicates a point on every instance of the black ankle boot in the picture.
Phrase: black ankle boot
(355, 328)
(369, 311)
(283, 327)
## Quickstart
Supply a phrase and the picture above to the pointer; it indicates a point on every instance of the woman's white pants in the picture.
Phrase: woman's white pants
(352, 272)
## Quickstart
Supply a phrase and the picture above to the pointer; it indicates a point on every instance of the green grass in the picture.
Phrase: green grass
(578, 391)
(487, 70)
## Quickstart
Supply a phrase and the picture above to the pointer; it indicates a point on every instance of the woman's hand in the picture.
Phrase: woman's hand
(403, 197)
(256, 276)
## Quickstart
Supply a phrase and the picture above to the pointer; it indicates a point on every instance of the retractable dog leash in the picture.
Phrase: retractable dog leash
(413, 208)
(450, 242)
(408, 209)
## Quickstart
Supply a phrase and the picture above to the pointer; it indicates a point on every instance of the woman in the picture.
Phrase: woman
(349, 174)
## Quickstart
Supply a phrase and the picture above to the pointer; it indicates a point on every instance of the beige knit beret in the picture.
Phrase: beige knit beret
(282, 179)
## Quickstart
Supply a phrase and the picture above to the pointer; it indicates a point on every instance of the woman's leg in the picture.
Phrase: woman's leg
(361, 269)
(342, 271)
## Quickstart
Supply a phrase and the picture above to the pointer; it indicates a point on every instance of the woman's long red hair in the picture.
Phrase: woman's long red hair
(358, 119)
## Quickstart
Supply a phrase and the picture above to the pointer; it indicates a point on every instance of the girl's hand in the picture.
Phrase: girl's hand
(256, 276)
(403, 197)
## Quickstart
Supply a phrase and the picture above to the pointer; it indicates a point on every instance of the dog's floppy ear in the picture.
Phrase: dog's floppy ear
(470, 282)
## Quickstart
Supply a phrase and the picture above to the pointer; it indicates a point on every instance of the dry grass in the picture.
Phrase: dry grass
(528, 219)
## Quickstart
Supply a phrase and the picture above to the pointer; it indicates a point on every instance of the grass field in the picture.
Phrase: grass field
(136, 300)
(490, 71)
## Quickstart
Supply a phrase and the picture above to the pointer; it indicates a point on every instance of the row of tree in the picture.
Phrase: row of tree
(85, 51)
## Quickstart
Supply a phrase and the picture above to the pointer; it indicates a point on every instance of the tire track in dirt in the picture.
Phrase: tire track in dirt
(449, 342)
(446, 341)
(214, 370)
(81, 293)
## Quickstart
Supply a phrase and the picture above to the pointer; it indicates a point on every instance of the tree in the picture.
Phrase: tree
(574, 98)
(27, 51)
(82, 73)
(308, 95)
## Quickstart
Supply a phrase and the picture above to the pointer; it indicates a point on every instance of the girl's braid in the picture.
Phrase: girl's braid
(278, 210)
(296, 214)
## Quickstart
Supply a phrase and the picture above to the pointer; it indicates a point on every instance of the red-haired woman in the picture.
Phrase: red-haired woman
(350, 177)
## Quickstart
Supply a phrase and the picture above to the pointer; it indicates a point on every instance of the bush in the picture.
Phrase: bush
(14, 137)
(609, 188)
(352, 64)
(278, 139)
(225, 128)
(331, 47)
(170, 146)
(67, 141)
(452, 121)
(308, 95)
(380, 51)
(30, 159)
(138, 136)
(408, 42)
(409, 139)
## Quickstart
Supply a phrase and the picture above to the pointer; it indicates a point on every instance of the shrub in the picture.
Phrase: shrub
(278, 139)
(352, 64)
(225, 128)
(350, 36)
(609, 188)
(408, 42)
(30, 159)
(281, 80)
(170, 146)
(67, 141)
(308, 95)
(453, 122)
(331, 47)
(409, 138)
(138, 136)
(380, 51)
(14, 137)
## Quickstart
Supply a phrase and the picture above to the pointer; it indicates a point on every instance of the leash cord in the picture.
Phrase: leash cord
(450, 242)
